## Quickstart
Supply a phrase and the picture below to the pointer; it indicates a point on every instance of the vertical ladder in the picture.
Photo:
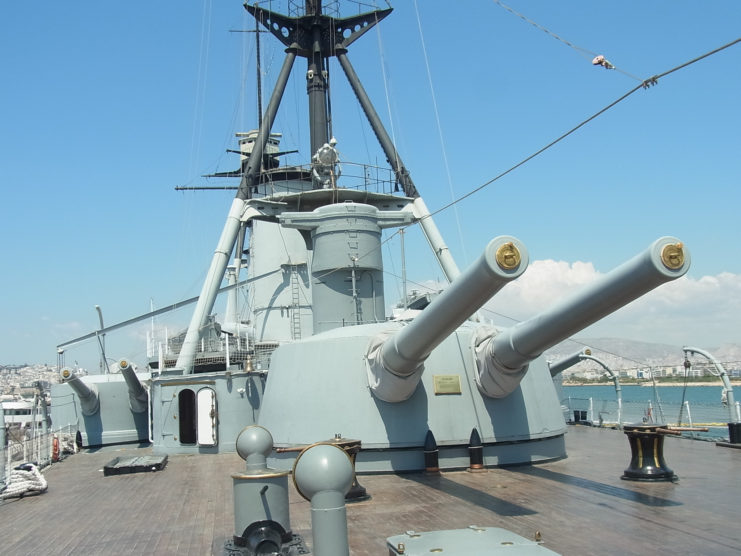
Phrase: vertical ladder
(295, 304)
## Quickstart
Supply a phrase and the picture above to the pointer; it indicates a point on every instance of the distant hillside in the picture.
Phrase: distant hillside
(616, 353)
(619, 353)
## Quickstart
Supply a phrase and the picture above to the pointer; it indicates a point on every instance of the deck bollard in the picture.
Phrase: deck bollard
(647, 454)
(475, 452)
(432, 455)
(734, 433)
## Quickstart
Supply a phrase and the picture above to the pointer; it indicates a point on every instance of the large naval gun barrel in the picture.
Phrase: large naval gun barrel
(503, 358)
(138, 397)
(396, 362)
(89, 401)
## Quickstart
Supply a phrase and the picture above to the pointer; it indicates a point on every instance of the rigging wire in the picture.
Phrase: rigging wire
(645, 84)
(198, 109)
(657, 397)
(440, 132)
(386, 88)
(583, 51)
(362, 117)
(189, 207)
(597, 59)
(238, 112)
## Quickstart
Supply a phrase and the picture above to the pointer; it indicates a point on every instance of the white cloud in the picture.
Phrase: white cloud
(704, 311)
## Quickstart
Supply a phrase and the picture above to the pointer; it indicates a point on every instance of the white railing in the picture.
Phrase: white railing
(39, 448)
(600, 412)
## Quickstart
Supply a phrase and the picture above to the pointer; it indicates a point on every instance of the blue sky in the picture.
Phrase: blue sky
(106, 107)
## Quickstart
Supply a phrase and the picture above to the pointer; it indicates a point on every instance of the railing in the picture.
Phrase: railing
(601, 412)
(219, 353)
(39, 448)
(362, 177)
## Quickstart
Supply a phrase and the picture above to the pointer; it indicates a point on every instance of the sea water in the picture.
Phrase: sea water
(672, 405)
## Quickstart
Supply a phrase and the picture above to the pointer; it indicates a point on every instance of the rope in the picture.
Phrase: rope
(24, 479)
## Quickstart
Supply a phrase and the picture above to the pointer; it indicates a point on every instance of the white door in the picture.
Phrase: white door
(206, 416)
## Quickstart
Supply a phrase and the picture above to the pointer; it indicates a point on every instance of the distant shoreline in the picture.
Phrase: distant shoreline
(713, 383)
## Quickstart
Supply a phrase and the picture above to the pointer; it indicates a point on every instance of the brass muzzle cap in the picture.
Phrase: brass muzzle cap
(672, 255)
(508, 256)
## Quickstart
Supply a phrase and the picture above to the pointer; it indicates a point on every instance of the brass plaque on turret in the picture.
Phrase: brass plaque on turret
(446, 384)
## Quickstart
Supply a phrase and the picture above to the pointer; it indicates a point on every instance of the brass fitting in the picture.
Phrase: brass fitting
(508, 256)
(672, 255)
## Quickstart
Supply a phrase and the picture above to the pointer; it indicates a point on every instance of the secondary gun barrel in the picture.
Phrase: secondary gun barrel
(393, 360)
(89, 400)
(566, 362)
(510, 351)
(138, 396)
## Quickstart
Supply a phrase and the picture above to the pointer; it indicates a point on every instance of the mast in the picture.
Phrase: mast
(316, 80)
(228, 238)
(259, 73)
(316, 37)
(310, 36)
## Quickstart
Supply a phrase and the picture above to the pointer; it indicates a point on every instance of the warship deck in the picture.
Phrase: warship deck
(578, 504)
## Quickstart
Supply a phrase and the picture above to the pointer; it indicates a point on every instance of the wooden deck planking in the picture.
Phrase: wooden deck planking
(578, 504)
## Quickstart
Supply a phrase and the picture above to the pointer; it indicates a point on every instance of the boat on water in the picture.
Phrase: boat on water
(317, 381)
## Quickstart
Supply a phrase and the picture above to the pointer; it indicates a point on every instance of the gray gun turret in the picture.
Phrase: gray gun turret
(503, 358)
(138, 396)
(396, 362)
(89, 400)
